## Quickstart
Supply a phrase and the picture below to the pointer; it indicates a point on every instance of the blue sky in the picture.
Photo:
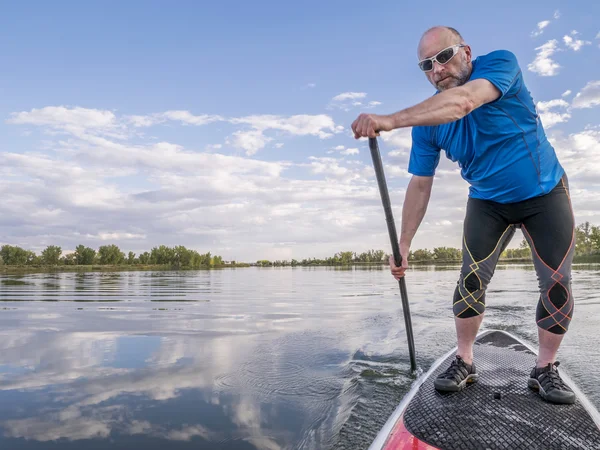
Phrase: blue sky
(225, 127)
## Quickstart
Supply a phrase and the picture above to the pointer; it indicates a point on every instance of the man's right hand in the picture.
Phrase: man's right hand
(398, 272)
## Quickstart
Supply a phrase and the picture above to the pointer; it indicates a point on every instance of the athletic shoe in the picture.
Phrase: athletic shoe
(456, 377)
(550, 386)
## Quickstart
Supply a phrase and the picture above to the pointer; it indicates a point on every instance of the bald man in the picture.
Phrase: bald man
(484, 118)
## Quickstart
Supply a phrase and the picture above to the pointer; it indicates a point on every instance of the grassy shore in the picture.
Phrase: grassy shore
(17, 270)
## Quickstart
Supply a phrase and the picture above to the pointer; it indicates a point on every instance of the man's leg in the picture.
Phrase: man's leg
(486, 233)
(550, 231)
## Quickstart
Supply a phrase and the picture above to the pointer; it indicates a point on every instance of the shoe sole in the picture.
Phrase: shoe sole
(456, 387)
(535, 385)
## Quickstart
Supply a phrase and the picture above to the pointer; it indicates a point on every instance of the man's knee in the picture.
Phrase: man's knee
(555, 309)
(469, 296)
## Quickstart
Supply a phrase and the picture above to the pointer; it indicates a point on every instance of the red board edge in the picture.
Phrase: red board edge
(402, 439)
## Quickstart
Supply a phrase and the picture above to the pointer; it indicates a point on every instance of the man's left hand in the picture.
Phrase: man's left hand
(369, 125)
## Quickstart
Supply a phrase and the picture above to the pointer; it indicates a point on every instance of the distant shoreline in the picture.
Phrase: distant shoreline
(17, 270)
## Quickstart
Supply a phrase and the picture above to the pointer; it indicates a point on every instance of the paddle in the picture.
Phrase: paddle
(385, 198)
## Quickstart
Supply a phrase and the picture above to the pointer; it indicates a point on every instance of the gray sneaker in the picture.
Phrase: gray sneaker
(550, 386)
(456, 377)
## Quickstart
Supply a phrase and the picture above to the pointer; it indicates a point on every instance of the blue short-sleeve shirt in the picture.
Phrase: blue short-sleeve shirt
(500, 147)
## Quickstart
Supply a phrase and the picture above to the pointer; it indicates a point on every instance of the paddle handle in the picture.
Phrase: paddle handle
(385, 199)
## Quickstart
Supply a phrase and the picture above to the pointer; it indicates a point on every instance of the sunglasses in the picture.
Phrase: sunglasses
(443, 57)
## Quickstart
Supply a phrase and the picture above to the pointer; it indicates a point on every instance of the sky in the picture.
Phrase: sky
(225, 126)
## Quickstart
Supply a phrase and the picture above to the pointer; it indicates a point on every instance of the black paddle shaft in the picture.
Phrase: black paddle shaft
(385, 198)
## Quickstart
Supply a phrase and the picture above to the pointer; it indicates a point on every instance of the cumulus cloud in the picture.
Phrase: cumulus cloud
(589, 96)
(349, 96)
(574, 44)
(549, 114)
(543, 64)
(540, 28)
(183, 117)
(151, 193)
(566, 93)
(63, 117)
(349, 100)
(321, 126)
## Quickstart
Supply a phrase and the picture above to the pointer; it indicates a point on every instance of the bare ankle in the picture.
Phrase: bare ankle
(466, 358)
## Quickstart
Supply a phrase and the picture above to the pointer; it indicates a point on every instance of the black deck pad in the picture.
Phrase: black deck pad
(475, 419)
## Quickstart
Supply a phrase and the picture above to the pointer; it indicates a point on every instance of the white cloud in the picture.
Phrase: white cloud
(578, 154)
(188, 118)
(543, 63)
(566, 93)
(349, 96)
(184, 117)
(557, 14)
(252, 141)
(545, 106)
(311, 85)
(279, 145)
(398, 138)
(574, 44)
(589, 96)
(540, 28)
(349, 100)
(151, 193)
(551, 118)
(71, 120)
(321, 126)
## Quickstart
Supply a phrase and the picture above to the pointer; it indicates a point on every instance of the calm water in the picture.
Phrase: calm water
(251, 358)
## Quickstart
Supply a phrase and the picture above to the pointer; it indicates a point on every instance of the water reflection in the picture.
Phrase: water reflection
(251, 359)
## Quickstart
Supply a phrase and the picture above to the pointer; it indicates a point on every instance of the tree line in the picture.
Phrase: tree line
(177, 257)
(587, 245)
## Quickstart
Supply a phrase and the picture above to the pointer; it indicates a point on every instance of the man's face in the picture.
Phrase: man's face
(456, 71)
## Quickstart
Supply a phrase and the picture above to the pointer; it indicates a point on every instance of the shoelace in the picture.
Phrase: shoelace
(453, 370)
(553, 380)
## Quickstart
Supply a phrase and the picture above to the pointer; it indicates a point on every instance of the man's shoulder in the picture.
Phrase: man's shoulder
(500, 55)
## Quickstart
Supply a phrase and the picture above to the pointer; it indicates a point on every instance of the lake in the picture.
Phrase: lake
(248, 358)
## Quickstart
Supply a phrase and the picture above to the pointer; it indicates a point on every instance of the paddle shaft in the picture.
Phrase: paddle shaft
(385, 198)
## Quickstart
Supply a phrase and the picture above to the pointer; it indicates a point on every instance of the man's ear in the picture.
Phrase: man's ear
(468, 53)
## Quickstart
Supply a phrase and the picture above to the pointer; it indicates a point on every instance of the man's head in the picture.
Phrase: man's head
(457, 70)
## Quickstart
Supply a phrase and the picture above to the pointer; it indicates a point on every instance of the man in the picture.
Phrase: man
(484, 118)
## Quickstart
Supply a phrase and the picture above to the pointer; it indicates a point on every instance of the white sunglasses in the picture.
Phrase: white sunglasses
(443, 57)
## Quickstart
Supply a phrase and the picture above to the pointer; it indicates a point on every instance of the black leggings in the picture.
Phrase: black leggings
(548, 225)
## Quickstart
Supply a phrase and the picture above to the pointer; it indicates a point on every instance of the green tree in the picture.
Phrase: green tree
(51, 255)
(264, 263)
(110, 254)
(16, 256)
(144, 258)
(584, 244)
(420, 255)
(595, 239)
(69, 260)
(162, 255)
(84, 256)
(130, 258)
(345, 257)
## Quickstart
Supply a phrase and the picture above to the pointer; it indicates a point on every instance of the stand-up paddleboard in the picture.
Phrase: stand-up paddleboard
(499, 411)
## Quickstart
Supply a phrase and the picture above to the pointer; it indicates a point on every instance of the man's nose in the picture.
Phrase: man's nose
(437, 67)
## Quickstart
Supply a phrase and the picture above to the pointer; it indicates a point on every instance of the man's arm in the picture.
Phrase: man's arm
(413, 211)
(416, 200)
(445, 107)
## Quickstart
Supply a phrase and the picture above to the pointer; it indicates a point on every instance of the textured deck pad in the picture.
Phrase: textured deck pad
(520, 419)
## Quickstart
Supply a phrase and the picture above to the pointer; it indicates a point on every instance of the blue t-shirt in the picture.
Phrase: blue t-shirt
(501, 147)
